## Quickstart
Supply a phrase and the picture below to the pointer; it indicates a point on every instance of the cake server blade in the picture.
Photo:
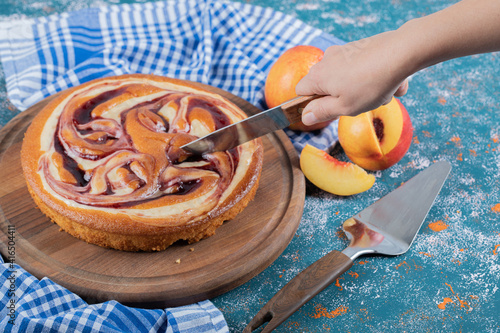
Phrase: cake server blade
(251, 128)
(387, 227)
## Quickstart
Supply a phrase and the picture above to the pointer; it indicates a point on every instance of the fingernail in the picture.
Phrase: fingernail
(309, 118)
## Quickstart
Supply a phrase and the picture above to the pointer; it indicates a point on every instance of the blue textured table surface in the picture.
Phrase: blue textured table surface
(448, 281)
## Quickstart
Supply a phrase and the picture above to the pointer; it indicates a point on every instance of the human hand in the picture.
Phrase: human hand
(355, 78)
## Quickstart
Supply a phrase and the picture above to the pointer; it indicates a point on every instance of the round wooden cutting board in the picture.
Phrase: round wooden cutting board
(183, 273)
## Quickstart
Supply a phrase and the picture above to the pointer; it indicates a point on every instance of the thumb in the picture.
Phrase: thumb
(309, 85)
(402, 89)
(318, 110)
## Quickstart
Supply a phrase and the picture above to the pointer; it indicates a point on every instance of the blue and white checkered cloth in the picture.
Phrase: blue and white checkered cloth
(31, 305)
(224, 44)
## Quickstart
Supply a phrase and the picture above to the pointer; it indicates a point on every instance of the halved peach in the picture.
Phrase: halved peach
(377, 139)
(332, 175)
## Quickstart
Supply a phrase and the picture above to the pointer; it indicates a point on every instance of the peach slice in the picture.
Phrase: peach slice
(332, 175)
(378, 139)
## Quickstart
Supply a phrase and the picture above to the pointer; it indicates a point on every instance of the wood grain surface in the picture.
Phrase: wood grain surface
(183, 273)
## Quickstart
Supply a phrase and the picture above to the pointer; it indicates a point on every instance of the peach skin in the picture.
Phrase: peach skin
(284, 75)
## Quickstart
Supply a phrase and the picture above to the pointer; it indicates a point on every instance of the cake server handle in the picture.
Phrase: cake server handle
(300, 290)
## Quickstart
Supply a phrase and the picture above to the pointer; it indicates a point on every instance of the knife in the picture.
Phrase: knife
(251, 128)
(387, 227)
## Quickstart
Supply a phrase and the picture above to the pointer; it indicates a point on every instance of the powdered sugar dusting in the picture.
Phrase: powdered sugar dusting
(358, 21)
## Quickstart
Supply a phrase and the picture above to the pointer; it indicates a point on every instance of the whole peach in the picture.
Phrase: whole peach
(284, 75)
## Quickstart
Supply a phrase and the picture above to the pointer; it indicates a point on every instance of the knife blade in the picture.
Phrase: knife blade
(251, 128)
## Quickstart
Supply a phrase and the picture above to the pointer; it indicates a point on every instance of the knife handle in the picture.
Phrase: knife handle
(300, 290)
(293, 108)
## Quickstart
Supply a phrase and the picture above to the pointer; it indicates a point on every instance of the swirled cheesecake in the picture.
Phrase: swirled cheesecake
(103, 161)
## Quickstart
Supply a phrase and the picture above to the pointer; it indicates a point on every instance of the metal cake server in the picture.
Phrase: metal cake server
(387, 227)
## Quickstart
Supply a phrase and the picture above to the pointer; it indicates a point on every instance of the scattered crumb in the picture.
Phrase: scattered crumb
(178, 261)
(438, 226)
(446, 300)
(321, 311)
(496, 208)
(191, 249)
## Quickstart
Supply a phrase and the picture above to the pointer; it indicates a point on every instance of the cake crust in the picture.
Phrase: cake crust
(97, 211)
